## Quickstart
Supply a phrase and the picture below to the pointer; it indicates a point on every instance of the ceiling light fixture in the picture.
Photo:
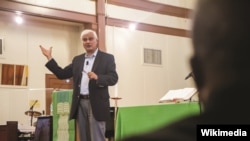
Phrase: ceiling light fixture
(132, 26)
(18, 18)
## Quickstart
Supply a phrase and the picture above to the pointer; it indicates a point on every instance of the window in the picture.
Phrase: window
(11, 74)
(1, 48)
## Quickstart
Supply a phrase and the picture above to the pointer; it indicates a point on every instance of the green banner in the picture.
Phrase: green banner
(63, 129)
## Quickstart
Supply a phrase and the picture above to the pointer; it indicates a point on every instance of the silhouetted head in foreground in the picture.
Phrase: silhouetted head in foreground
(221, 66)
(221, 60)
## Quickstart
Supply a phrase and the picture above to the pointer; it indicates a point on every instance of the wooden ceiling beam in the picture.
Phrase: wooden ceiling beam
(153, 7)
(46, 12)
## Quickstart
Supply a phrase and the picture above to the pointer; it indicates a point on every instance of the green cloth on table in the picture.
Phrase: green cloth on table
(61, 102)
(139, 119)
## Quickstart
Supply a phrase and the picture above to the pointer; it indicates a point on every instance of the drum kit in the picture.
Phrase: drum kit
(28, 133)
(32, 113)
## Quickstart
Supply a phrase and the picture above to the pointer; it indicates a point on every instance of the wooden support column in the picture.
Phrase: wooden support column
(101, 24)
(91, 26)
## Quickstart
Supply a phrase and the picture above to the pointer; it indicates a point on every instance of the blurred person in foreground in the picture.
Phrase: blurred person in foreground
(220, 63)
(93, 72)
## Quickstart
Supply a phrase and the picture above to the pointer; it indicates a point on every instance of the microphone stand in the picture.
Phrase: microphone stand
(192, 75)
(32, 113)
(189, 75)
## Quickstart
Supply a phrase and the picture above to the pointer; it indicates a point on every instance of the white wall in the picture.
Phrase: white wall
(179, 3)
(139, 84)
(145, 84)
(21, 44)
(139, 16)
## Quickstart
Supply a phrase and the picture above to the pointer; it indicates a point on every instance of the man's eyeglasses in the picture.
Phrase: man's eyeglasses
(86, 39)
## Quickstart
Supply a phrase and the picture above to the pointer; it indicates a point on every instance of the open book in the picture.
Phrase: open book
(178, 95)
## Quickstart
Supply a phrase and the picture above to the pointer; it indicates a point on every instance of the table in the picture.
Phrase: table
(139, 119)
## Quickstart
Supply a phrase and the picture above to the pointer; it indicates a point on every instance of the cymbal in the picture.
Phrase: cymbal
(116, 98)
(34, 113)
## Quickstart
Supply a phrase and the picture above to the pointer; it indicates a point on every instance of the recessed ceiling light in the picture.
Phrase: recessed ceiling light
(132, 26)
(19, 19)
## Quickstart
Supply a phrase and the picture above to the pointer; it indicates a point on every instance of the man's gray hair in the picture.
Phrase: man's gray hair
(86, 31)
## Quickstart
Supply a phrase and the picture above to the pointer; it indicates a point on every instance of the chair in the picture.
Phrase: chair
(9, 132)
